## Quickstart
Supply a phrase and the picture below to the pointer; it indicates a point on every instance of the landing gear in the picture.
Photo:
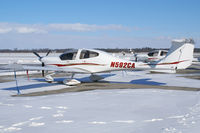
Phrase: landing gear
(71, 81)
(49, 77)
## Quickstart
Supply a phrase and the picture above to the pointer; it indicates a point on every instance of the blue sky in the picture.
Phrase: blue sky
(97, 23)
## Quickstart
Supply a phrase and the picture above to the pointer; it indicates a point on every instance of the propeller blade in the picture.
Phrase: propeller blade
(48, 52)
(42, 73)
(42, 70)
(41, 61)
(37, 55)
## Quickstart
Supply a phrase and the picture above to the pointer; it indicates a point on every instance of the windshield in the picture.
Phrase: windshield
(155, 53)
(68, 55)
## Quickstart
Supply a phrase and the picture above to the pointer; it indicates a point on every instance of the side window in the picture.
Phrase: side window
(150, 54)
(88, 54)
(155, 53)
(163, 53)
(68, 56)
(93, 54)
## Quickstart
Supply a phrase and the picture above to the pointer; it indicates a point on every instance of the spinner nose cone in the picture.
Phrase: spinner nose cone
(49, 60)
(44, 60)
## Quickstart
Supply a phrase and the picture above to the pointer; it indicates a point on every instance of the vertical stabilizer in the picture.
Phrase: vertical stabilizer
(180, 54)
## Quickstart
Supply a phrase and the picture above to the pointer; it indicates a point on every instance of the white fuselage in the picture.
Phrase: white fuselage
(104, 62)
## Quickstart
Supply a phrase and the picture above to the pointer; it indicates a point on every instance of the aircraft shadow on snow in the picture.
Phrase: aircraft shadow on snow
(32, 86)
(45, 84)
(86, 79)
(146, 81)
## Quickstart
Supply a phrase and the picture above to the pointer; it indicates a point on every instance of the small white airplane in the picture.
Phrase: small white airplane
(89, 61)
(151, 56)
(156, 55)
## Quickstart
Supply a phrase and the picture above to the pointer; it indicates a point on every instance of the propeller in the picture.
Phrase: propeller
(43, 70)
(37, 55)
(48, 52)
(40, 57)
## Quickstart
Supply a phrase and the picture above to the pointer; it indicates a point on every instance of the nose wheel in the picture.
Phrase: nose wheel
(49, 77)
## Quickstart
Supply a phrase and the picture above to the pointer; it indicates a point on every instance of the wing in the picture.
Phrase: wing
(19, 67)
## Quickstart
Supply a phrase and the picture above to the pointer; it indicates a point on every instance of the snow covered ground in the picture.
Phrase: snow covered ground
(119, 111)
(22, 58)
(103, 111)
(130, 77)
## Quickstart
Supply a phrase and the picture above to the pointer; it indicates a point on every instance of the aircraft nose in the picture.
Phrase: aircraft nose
(47, 60)
(43, 59)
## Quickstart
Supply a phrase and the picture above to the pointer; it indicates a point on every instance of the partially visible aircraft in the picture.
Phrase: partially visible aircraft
(155, 55)
(151, 56)
(89, 61)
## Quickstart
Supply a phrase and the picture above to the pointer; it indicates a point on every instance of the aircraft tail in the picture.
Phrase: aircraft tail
(180, 55)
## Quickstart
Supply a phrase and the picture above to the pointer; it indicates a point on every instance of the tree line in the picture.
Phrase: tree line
(111, 50)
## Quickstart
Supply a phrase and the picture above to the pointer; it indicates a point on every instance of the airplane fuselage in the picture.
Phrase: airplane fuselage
(100, 61)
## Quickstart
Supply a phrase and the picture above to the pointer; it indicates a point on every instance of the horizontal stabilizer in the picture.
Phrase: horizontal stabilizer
(163, 71)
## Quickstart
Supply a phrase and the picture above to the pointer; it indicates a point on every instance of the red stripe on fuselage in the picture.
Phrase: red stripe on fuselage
(168, 63)
(152, 58)
(74, 64)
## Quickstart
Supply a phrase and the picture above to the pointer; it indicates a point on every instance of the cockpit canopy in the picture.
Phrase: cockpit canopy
(157, 53)
(163, 53)
(154, 53)
(88, 54)
(69, 55)
(84, 54)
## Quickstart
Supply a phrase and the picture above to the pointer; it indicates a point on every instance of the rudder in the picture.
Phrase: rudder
(180, 54)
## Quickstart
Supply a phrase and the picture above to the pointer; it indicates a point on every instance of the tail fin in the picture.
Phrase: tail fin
(180, 54)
